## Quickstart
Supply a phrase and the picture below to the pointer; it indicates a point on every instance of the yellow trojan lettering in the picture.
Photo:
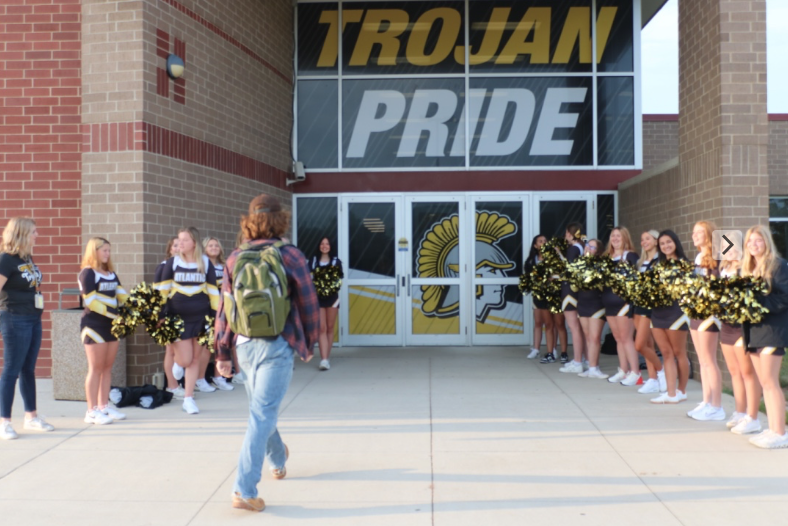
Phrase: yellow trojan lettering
(491, 40)
(577, 28)
(417, 42)
(536, 19)
(372, 33)
(330, 51)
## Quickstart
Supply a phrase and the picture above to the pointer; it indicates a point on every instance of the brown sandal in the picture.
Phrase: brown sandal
(280, 473)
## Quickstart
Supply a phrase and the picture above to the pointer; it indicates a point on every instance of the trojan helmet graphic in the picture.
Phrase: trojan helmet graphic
(438, 257)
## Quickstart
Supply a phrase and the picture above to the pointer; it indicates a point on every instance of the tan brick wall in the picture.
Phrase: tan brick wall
(660, 140)
(778, 158)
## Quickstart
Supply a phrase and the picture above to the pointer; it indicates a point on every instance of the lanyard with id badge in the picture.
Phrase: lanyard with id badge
(39, 298)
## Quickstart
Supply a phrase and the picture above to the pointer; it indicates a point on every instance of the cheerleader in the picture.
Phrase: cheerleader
(746, 389)
(102, 294)
(188, 284)
(669, 325)
(329, 305)
(574, 236)
(213, 249)
(169, 354)
(542, 314)
(619, 312)
(705, 333)
(591, 312)
(766, 341)
(644, 341)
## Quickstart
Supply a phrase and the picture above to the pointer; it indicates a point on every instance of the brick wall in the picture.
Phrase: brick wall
(660, 139)
(40, 137)
(778, 155)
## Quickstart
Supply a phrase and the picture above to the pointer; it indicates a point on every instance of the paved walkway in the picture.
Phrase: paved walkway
(416, 436)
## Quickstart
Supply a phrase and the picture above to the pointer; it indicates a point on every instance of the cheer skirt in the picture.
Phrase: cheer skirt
(589, 304)
(670, 318)
(731, 335)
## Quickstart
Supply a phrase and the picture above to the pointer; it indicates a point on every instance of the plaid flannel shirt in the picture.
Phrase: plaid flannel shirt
(301, 327)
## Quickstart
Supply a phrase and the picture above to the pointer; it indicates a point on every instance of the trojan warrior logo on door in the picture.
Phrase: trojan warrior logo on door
(438, 257)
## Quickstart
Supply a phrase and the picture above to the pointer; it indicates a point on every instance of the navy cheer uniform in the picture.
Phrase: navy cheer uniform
(332, 301)
(102, 295)
(730, 334)
(614, 304)
(642, 311)
(218, 269)
(710, 324)
(568, 296)
(189, 293)
(527, 268)
(771, 335)
(671, 318)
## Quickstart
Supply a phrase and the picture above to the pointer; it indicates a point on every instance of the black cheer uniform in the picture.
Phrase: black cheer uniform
(671, 318)
(191, 294)
(528, 266)
(730, 334)
(642, 311)
(568, 296)
(331, 301)
(614, 304)
(710, 324)
(771, 335)
(102, 295)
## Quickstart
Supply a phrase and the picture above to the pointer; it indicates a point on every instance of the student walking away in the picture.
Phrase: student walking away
(267, 335)
(766, 341)
(21, 306)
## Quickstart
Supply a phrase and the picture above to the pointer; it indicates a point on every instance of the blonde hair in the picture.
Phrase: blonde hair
(768, 264)
(655, 235)
(706, 259)
(626, 241)
(198, 253)
(16, 237)
(168, 251)
(220, 257)
(91, 259)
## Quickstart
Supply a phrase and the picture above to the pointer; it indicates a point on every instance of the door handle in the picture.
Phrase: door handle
(398, 287)
(408, 287)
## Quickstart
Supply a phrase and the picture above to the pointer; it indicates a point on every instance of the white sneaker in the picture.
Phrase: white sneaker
(665, 398)
(94, 416)
(113, 413)
(620, 375)
(533, 354)
(204, 387)
(38, 424)
(7, 431)
(763, 435)
(747, 426)
(594, 372)
(631, 379)
(736, 417)
(189, 406)
(682, 395)
(651, 386)
(572, 367)
(700, 407)
(663, 383)
(239, 378)
(585, 365)
(221, 383)
(177, 371)
(773, 441)
(178, 393)
(709, 413)
(324, 365)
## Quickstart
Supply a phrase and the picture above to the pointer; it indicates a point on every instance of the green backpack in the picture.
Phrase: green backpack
(259, 303)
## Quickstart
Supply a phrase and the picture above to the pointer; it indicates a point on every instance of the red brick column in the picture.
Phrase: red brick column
(40, 165)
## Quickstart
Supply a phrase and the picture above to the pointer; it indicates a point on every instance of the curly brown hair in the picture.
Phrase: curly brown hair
(265, 219)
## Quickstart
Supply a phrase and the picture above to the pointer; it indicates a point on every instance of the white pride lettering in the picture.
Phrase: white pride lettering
(190, 277)
(104, 287)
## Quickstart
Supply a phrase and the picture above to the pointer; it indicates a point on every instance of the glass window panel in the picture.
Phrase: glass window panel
(372, 310)
(554, 216)
(780, 235)
(318, 122)
(778, 207)
(435, 309)
(616, 124)
(402, 38)
(371, 238)
(435, 235)
(316, 218)
(499, 309)
(615, 16)
(499, 240)
(532, 121)
(605, 216)
(318, 39)
(412, 122)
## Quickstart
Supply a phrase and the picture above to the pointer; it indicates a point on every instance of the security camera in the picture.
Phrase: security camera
(298, 173)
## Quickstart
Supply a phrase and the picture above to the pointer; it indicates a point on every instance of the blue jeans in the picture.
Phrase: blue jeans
(268, 366)
(21, 342)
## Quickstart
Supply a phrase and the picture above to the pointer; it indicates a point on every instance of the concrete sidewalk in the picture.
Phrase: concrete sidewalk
(414, 436)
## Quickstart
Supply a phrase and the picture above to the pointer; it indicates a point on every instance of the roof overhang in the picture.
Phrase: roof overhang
(649, 8)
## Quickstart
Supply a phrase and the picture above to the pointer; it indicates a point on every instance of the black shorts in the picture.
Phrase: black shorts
(731, 335)
(669, 318)
(615, 305)
(774, 351)
(93, 332)
(642, 311)
(708, 325)
(541, 304)
(568, 298)
(589, 304)
(328, 302)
